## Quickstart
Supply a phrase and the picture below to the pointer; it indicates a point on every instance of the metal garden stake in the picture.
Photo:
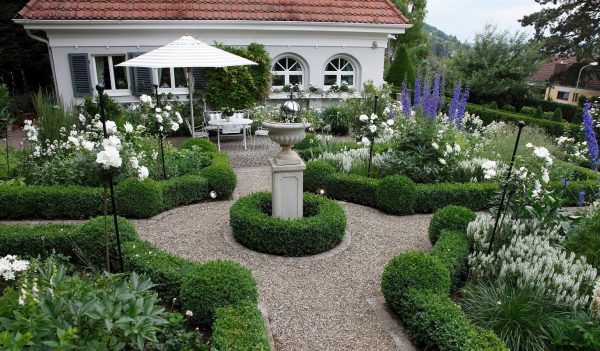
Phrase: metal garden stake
(160, 136)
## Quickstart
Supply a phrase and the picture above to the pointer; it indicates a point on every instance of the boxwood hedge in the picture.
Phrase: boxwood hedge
(239, 328)
(322, 228)
(449, 218)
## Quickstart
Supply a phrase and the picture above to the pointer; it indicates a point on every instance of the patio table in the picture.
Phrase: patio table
(244, 122)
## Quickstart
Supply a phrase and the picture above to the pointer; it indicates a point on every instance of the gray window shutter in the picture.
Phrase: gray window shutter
(199, 79)
(141, 77)
(80, 74)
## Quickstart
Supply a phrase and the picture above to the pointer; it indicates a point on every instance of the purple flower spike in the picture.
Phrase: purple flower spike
(406, 101)
(590, 135)
(425, 99)
(564, 182)
(462, 108)
(417, 92)
(452, 110)
(581, 198)
(435, 98)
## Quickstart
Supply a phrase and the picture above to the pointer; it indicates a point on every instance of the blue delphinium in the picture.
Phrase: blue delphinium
(405, 100)
(590, 135)
(435, 97)
(417, 92)
(462, 108)
(581, 198)
(425, 98)
(454, 103)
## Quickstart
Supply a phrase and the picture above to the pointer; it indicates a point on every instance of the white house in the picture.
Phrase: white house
(310, 42)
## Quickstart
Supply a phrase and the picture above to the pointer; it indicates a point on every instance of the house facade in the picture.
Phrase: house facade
(310, 42)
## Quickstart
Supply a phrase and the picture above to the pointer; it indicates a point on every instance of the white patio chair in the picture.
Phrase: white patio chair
(260, 132)
(209, 116)
(198, 132)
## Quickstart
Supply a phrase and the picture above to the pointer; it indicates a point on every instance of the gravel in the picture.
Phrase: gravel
(312, 305)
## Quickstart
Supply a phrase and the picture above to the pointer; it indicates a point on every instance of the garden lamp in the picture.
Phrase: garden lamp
(592, 64)
(290, 108)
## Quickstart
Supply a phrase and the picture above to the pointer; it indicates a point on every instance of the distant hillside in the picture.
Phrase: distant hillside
(442, 44)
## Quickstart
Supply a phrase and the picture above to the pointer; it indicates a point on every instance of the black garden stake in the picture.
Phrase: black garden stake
(160, 136)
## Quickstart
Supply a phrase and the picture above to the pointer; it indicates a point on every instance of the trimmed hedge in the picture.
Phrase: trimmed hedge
(217, 284)
(139, 199)
(201, 144)
(396, 195)
(89, 243)
(221, 177)
(316, 174)
(449, 218)
(36, 240)
(50, 202)
(184, 190)
(476, 196)
(452, 249)
(352, 187)
(239, 328)
(488, 115)
(322, 228)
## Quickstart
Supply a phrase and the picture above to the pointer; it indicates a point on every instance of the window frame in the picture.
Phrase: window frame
(172, 90)
(339, 72)
(286, 73)
(558, 95)
(111, 72)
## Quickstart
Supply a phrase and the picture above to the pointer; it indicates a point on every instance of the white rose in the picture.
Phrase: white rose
(109, 157)
(158, 110)
(390, 122)
(112, 141)
(373, 128)
(168, 107)
(134, 162)
(88, 145)
(128, 127)
(174, 126)
(111, 127)
(81, 118)
(73, 140)
(154, 155)
(143, 173)
(365, 141)
(373, 116)
(159, 118)
(363, 118)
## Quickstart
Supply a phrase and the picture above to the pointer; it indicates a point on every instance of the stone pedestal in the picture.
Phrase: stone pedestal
(288, 190)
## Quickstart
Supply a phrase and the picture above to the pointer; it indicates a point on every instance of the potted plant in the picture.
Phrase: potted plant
(287, 129)
(228, 112)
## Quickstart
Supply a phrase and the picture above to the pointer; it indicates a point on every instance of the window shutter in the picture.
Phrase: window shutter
(80, 74)
(141, 77)
(199, 79)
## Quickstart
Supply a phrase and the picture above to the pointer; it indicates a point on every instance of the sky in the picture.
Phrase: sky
(464, 18)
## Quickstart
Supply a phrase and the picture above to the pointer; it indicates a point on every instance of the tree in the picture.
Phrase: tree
(496, 67)
(414, 39)
(567, 27)
(402, 70)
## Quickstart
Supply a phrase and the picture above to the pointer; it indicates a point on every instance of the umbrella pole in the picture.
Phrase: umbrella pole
(191, 89)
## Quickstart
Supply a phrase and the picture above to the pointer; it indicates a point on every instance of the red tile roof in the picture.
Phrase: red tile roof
(549, 72)
(342, 11)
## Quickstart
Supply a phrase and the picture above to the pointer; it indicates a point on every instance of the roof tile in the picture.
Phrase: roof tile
(344, 11)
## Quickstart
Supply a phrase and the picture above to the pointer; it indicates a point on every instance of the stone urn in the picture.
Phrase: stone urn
(286, 135)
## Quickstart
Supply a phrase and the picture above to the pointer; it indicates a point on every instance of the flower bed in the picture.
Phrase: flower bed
(320, 176)
(217, 292)
(135, 199)
(322, 228)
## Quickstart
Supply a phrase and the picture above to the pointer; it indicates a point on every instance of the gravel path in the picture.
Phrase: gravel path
(312, 305)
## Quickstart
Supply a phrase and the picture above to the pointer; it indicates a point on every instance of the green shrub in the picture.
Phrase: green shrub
(481, 339)
(309, 141)
(579, 331)
(413, 271)
(353, 188)
(518, 316)
(49, 202)
(509, 108)
(571, 113)
(585, 240)
(402, 70)
(338, 118)
(539, 113)
(475, 196)
(139, 199)
(322, 227)
(527, 110)
(200, 144)
(36, 240)
(89, 240)
(396, 195)
(183, 190)
(492, 105)
(239, 328)
(557, 115)
(220, 176)
(316, 176)
(453, 218)
(216, 284)
(452, 249)
(165, 270)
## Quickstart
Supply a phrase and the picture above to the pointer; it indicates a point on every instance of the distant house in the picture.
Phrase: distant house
(311, 42)
(563, 91)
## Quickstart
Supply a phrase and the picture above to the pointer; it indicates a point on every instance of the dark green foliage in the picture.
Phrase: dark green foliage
(396, 195)
(553, 128)
(576, 332)
(509, 108)
(518, 316)
(492, 105)
(571, 113)
(91, 107)
(165, 270)
(353, 188)
(216, 284)
(201, 144)
(481, 339)
(309, 141)
(89, 240)
(475, 196)
(184, 190)
(585, 240)
(452, 218)
(220, 176)
(239, 328)
(557, 115)
(322, 227)
(539, 113)
(316, 176)
(35, 240)
(338, 118)
(50, 202)
(452, 249)
(139, 199)
(402, 70)
(413, 271)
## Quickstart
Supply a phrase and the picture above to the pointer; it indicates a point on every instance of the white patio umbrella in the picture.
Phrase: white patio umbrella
(188, 53)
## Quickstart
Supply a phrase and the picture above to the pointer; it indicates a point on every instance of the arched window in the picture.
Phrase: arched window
(287, 70)
(339, 70)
